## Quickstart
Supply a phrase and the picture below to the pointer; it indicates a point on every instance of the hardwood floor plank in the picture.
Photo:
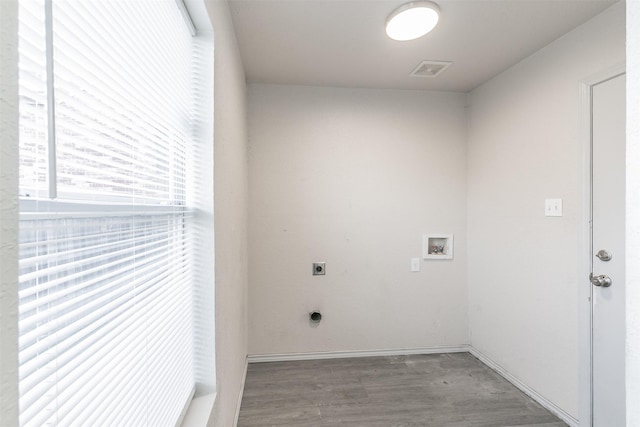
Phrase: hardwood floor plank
(440, 390)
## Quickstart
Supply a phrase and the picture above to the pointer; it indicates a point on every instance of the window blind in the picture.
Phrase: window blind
(33, 143)
(106, 266)
(121, 92)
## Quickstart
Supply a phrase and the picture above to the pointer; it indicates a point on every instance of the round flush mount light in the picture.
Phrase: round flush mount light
(412, 20)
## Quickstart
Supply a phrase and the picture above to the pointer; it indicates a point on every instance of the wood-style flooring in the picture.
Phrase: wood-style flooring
(443, 390)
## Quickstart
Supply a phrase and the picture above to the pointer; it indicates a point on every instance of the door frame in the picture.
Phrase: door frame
(585, 289)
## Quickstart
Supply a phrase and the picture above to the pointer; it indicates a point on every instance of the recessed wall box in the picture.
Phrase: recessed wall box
(319, 268)
(437, 246)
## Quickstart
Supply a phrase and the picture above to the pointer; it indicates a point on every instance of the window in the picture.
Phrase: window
(111, 147)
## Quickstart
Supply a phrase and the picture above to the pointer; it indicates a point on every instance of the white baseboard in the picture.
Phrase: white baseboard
(543, 401)
(244, 379)
(285, 357)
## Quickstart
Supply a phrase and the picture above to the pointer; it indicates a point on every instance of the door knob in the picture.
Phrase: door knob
(604, 255)
(601, 280)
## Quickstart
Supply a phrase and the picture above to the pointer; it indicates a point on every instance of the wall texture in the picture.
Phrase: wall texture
(633, 213)
(230, 200)
(8, 213)
(524, 146)
(353, 177)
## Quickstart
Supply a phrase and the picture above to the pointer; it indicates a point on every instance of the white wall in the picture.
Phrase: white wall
(524, 146)
(353, 177)
(8, 214)
(633, 213)
(230, 199)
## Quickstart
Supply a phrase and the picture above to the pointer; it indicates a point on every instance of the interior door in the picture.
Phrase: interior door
(608, 252)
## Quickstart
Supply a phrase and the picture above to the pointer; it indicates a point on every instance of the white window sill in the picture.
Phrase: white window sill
(199, 411)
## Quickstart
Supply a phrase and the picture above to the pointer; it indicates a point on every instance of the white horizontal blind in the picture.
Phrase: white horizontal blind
(121, 119)
(104, 336)
(33, 100)
(105, 269)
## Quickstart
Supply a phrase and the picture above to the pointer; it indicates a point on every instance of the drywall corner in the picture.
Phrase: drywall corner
(524, 147)
(230, 212)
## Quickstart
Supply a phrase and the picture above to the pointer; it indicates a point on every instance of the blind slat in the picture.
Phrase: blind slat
(106, 282)
(97, 325)
(44, 316)
(99, 352)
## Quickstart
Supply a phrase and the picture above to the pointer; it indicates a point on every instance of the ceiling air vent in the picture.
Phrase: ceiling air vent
(430, 68)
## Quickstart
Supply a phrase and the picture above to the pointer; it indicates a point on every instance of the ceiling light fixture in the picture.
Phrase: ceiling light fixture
(412, 20)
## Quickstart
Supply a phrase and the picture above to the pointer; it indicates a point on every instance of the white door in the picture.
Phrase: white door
(608, 241)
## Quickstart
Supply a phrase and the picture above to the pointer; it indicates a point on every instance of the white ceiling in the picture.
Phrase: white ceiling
(342, 42)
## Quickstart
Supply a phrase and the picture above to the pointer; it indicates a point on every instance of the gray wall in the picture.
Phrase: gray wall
(8, 213)
(524, 146)
(354, 177)
(230, 200)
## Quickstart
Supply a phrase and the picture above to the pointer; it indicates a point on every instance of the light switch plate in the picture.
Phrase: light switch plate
(415, 264)
(553, 207)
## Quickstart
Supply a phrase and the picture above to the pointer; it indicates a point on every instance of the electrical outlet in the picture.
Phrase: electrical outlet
(319, 268)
